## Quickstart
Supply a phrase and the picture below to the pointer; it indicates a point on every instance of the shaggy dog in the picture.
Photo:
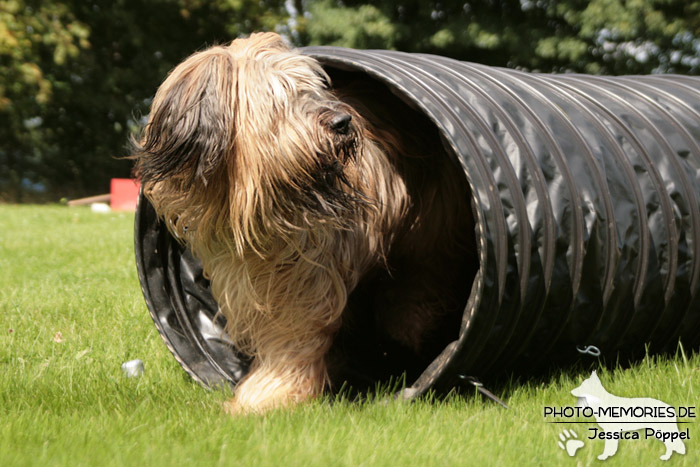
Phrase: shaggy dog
(294, 194)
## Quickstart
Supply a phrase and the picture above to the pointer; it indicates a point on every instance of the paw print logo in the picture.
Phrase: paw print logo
(570, 442)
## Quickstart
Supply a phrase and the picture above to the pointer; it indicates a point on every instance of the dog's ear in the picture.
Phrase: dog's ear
(190, 128)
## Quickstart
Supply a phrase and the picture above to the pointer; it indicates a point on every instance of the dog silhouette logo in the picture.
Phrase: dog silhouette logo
(623, 418)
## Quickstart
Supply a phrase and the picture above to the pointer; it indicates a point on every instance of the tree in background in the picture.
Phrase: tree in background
(76, 76)
(34, 40)
(597, 36)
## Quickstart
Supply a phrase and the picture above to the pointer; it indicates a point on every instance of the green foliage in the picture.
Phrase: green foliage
(76, 76)
(64, 401)
(34, 39)
(598, 36)
(361, 27)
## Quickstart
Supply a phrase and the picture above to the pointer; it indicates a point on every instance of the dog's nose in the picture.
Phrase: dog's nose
(341, 123)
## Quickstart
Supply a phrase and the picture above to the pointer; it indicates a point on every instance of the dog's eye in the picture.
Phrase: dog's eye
(341, 123)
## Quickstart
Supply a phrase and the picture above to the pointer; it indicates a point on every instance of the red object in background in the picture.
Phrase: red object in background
(124, 194)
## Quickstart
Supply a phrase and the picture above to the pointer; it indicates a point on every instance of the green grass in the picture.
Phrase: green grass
(70, 271)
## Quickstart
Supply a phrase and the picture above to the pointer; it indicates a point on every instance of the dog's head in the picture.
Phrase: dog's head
(246, 132)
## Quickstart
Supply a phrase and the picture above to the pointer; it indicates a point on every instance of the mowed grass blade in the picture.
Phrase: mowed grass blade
(71, 312)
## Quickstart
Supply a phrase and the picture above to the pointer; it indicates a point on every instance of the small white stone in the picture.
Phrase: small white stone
(132, 368)
(100, 207)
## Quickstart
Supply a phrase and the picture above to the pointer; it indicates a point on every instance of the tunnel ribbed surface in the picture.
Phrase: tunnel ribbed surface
(586, 197)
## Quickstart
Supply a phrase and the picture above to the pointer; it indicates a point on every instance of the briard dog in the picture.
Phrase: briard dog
(294, 194)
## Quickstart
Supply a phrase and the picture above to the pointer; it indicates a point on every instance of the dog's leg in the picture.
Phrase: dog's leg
(407, 324)
(285, 317)
(282, 377)
(413, 302)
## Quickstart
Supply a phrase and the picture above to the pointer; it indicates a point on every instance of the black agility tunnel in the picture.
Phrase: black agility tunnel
(586, 199)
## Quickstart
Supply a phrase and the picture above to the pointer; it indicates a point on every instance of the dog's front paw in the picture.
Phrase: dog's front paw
(240, 406)
(233, 408)
(274, 388)
(243, 404)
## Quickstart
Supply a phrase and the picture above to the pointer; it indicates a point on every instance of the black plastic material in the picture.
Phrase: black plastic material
(181, 305)
(586, 197)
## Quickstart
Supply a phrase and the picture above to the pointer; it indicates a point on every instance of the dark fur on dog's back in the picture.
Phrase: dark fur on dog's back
(293, 195)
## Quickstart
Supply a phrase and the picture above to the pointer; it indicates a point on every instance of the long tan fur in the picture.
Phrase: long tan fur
(289, 197)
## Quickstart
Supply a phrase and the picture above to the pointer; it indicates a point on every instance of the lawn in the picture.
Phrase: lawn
(71, 312)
